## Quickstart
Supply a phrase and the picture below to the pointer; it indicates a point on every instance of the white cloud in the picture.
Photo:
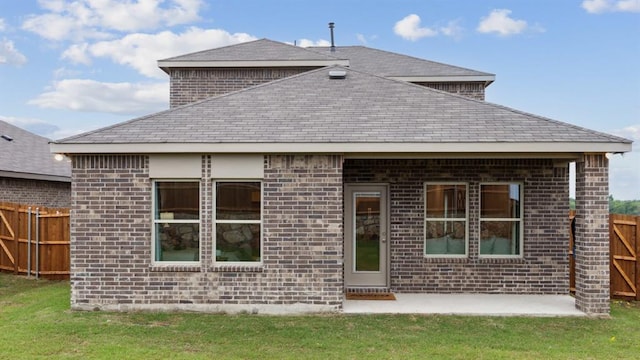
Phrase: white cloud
(9, 54)
(63, 72)
(3, 26)
(409, 28)
(78, 54)
(364, 40)
(309, 43)
(602, 6)
(95, 96)
(141, 51)
(628, 6)
(499, 22)
(453, 29)
(596, 6)
(97, 19)
(58, 27)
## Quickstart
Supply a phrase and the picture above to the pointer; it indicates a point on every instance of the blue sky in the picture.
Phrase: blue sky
(73, 66)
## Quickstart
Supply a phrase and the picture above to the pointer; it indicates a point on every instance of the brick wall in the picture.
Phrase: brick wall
(303, 234)
(189, 85)
(544, 268)
(592, 235)
(111, 241)
(473, 90)
(54, 194)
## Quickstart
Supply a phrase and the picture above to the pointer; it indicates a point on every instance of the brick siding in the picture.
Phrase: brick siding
(474, 90)
(53, 194)
(189, 85)
(111, 241)
(302, 266)
(542, 270)
(592, 235)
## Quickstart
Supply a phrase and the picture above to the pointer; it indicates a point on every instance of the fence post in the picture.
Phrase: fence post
(638, 258)
(37, 243)
(16, 238)
(612, 234)
(29, 242)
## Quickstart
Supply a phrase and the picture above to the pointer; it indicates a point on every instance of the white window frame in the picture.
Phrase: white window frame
(465, 219)
(169, 221)
(215, 223)
(519, 220)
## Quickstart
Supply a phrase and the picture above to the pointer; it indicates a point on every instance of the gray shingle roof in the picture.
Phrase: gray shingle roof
(28, 156)
(388, 64)
(374, 61)
(362, 108)
(258, 50)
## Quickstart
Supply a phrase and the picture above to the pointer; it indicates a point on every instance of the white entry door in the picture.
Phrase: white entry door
(366, 235)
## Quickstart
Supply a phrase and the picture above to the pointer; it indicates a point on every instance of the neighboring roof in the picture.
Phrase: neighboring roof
(27, 156)
(402, 67)
(362, 113)
(263, 52)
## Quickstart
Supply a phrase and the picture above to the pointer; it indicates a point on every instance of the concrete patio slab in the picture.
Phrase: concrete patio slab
(468, 304)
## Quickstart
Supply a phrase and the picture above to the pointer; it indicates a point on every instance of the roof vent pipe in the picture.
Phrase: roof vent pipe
(333, 44)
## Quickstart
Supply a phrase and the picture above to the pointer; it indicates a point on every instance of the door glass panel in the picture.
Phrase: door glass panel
(367, 231)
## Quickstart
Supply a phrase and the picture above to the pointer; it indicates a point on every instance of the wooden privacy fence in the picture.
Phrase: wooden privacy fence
(34, 241)
(625, 265)
(624, 262)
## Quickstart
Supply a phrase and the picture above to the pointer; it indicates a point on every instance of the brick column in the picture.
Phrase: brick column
(592, 235)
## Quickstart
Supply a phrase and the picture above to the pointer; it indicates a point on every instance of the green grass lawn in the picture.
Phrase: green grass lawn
(35, 322)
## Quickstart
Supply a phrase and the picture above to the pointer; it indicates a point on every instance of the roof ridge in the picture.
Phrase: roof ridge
(217, 48)
(247, 43)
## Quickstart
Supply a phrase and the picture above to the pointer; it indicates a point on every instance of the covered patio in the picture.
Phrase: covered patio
(468, 304)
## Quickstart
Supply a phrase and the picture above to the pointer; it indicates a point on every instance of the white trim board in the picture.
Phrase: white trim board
(358, 148)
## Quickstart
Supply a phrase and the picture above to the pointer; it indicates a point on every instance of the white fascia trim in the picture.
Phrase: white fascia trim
(453, 78)
(357, 148)
(251, 63)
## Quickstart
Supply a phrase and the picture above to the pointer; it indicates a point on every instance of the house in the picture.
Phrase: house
(29, 174)
(283, 177)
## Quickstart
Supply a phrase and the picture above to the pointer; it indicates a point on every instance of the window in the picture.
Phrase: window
(176, 219)
(238, 221)
(501, 219)
(445, 220)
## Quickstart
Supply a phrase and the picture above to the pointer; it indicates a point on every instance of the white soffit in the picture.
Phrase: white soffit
(175, 166)
(237, 166)
(452, 78)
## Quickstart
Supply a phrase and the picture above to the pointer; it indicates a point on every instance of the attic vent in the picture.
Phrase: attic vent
(6, 137)
(337, 74)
